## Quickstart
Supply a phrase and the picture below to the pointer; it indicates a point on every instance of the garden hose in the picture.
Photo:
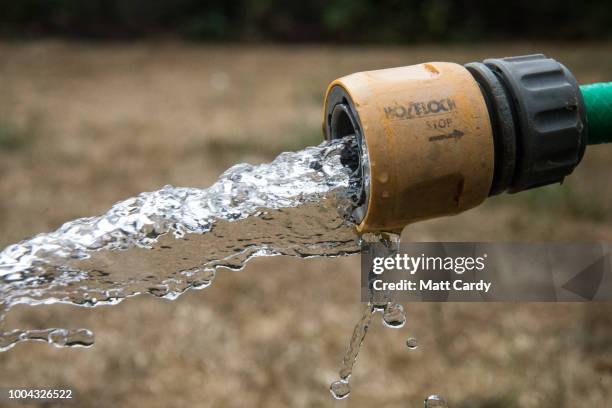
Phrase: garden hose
(598, 104)
(438, 138)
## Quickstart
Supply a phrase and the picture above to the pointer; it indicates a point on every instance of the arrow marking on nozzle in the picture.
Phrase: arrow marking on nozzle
(455, 134)
(586, 283)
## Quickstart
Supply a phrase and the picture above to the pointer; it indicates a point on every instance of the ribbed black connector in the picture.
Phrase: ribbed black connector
(538, 119)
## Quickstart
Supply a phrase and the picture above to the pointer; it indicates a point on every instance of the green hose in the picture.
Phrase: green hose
(598, 104)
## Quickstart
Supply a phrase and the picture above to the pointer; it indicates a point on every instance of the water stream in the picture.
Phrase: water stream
(168, 241)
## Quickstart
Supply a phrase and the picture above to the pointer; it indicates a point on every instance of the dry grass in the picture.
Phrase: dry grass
(82, 126)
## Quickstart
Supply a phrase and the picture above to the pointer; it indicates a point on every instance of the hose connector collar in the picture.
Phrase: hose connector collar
(549, 118)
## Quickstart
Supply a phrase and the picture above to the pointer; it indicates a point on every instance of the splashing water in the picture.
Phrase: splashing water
(174, 239)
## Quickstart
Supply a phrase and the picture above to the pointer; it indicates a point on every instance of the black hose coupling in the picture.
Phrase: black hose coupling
(538, 118)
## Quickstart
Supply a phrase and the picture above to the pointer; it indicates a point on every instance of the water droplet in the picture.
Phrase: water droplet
(435, 401)
(412, 343)
(340, 389)
(394, 316)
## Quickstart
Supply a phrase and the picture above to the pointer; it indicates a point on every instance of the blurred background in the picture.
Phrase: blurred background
(100, 100)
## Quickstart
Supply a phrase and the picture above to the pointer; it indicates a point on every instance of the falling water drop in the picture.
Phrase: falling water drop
(435, 401)
(412, 343)
(394, 316)
(340, 389)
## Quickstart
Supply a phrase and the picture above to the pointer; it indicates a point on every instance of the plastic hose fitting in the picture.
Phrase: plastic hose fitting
(438, 138)
(542, 137)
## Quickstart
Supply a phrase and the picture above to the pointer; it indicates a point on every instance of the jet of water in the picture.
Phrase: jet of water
(174, 239)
